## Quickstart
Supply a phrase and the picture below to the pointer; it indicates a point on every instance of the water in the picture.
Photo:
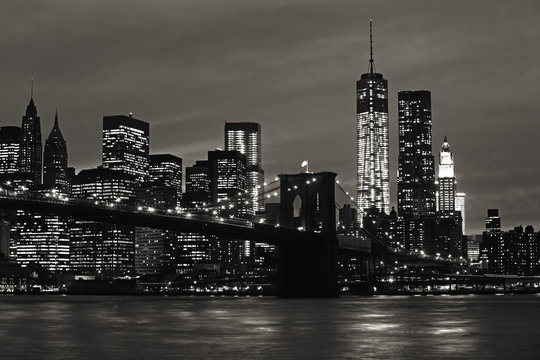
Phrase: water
(408, 327)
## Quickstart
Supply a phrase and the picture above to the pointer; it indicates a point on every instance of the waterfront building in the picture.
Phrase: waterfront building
(156, 249)
(373, 182)
(126, 145)
(55, 160)
(245, 137)
(99, 247)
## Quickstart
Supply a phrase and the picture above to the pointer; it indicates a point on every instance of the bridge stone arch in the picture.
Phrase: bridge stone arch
(308, 271)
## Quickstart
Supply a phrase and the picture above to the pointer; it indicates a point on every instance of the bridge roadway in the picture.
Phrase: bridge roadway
(184, 222)
(226, 229)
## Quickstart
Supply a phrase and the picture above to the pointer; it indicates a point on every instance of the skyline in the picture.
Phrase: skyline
(306, 75)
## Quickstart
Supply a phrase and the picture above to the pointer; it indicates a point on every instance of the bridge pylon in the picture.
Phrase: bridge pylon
(307, 202)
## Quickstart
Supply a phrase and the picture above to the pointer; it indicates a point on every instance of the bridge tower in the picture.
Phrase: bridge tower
(307, 202)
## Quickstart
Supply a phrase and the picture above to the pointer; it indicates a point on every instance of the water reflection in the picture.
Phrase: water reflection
(267, 328)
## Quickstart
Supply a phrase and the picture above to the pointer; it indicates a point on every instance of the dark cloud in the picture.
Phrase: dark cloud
(189, 66)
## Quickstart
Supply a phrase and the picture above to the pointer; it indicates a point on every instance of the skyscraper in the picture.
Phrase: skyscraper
(10, 140)
(416, 168)
(30, 154)
(245, 137)
(166, 170)
(198, 185)
(460, 206)
(416, 171)
(373, 185)
(55, 160)
(447, 179)
(156, 249)
(99, 247)
(126, 145)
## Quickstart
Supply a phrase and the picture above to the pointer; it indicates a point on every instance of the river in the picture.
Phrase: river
(380, 327)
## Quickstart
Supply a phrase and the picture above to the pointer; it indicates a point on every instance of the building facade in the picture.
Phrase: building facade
(446, 179)
(31, 152)
(55, 160)
(10, 141)
(126, 145)
(245, 137)
(100, 248)
(373, 181)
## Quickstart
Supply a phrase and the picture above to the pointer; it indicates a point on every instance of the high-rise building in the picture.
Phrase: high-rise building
(228, 178)
(55, 160)
(493, 221)
(99, 247)
(42, 240)
(373, 182)
(416, 171)
(30, 153)
(156, 249)
(447, 179)
(126, 145)
(460, 206)
(198, 185)
(416, 168)
(166, 170)
(10, 140)
(245, 137)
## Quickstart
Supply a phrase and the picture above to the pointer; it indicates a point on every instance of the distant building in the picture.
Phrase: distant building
(156, 250)
(372, 140)
(10, 141)
(198, 185)
(99, 247)
(126, 145)
(245, 137)
(446, 179)
(228, 179)
(31, 152)
(416, 171)
(460, 206)
(166, 170)
(55, 160)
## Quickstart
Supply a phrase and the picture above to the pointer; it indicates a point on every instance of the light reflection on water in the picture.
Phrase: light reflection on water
(86, 327)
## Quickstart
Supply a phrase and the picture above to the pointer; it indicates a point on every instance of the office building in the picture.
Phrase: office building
(156, 249)
(373, 182)
(10, 140)
(446, 179)
(460, 206)
(55, 160)
(99, 247)
(30, 153)
(198, 185)
(126, 145)
(245, 137)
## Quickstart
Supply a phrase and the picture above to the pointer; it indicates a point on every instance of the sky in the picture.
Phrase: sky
(188, 66)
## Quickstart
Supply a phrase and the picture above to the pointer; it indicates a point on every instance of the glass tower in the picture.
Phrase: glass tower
(416, 168)
(372, 139)
(245, 137)
(126, 145)
(10, 140)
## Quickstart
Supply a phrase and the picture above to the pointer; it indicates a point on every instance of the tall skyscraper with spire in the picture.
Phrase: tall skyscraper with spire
(373, 183)
(55, 160)
(447, 179)
(30, 155)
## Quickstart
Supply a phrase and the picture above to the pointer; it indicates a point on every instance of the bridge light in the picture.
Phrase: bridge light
(139, 208)
(352, 198)
(169, 211)
(151, 209)
(275, 193)
(261, 221)
(276, 178)
(264, 184)
(300, 228)
(337, 181)
(307, 182)
(277, 225)
(313, 179)
(188, 215)
(296, 187)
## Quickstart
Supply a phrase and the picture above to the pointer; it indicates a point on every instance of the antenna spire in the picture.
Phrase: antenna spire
(32, 88)
(371, 66)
